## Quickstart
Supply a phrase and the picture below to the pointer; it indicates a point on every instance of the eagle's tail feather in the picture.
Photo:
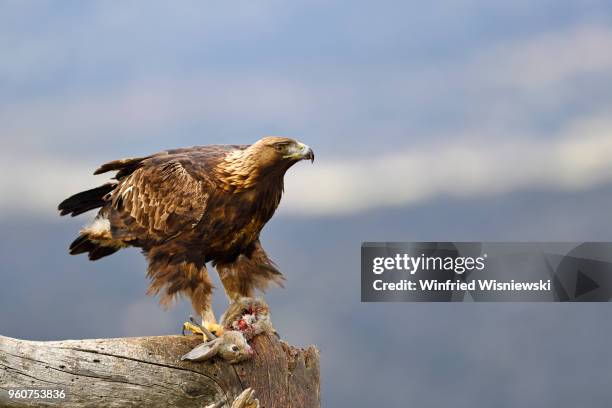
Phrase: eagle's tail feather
(81, 245)
(102, 251)
(84, 244)
(86, 200)
(96, 239)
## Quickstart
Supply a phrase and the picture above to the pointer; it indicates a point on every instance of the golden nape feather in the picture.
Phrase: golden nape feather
(186, 207)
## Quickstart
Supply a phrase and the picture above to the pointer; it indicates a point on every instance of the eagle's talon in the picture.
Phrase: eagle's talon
(194, 328)
(203, 330)
(214, 328)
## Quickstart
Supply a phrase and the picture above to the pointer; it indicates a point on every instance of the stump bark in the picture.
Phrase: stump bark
(147, 372)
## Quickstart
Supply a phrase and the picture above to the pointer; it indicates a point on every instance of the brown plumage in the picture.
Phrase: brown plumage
(186, 207)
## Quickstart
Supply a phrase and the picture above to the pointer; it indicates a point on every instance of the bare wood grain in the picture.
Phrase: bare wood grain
(147, 372)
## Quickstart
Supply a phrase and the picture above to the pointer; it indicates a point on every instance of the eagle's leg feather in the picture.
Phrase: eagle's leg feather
(247, 272)
(235, 286)
(208, 316)
(174, 273)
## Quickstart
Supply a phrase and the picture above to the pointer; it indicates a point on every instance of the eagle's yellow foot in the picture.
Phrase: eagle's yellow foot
(195, 328)
(214, 328)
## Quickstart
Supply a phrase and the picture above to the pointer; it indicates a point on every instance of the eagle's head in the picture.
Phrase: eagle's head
(267, 159)
(276, 151)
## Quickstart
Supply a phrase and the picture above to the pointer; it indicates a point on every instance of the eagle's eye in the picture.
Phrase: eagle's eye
(280, 147)
(234, 348)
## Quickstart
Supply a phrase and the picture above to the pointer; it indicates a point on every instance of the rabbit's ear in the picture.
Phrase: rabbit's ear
(204, 351)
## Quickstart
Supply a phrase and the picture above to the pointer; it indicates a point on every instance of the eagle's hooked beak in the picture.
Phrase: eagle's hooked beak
(308, 154)
(302, 152)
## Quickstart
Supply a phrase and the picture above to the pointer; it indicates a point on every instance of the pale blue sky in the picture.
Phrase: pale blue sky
(86, 82)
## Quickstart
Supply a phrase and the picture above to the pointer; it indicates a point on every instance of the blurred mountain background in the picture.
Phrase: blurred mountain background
(455, 120)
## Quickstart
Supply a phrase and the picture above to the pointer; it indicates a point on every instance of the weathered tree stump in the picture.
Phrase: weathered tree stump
(147, 372)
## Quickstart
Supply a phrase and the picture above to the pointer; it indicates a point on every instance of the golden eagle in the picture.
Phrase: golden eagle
(186, 207)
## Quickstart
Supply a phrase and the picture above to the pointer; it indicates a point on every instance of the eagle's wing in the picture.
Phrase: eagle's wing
(159, 199)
